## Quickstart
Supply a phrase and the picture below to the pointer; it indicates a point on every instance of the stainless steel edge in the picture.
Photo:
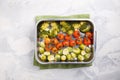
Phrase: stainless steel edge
(58, 19)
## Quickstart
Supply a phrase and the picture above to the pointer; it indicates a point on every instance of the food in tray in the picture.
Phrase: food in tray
(66, 41)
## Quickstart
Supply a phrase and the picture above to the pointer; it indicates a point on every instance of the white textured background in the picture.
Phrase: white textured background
(17, 28)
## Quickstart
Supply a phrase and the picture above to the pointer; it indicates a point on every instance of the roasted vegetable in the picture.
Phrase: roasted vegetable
(70, 32)
(41, 50)
(87, 56)
(51, 58)
(80, 58)
(63, 57)
(76, 34)
(57, 57)
(82, 46)
(72, 43)
(83, 52)
(47, 53)
(85, 27)
(79, 41)
(76, 50)
(43, 57)
(65, 43)
(69, 57)
(59, 45)
(65, 51)
(54, 50)
(60, 52)
(68, 37)
(60, 36)
(47, 40)
(87, 41)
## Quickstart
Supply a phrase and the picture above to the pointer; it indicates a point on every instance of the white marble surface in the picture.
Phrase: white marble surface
(17, 28)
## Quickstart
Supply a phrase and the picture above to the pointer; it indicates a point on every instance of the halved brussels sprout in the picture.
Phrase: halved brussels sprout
(65, 51)
(87, 56)
(88, 50)
(42, 44)
(80, 58)
(70, 49)
(83, 52)
(47, 53)
(43, 57)
(63, 57)
(51, 58)
(57, 57)
(82, 46)
(73, 55)
(40, 50)
(60, 52)
(76, 50)
(69, 57)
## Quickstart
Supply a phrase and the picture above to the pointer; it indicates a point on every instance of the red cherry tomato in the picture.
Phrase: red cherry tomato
(54, 41)
(76, 34)
(79, 41)
(47, 40)
(89, 35)
(48, 47)
(68, 37)
(59, 45)
(65, 43)
(54, 50)
(72, 43)
(87, 41)
(60, 36)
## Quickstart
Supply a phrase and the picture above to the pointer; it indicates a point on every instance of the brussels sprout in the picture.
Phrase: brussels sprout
(82, 46)
(65, 51)
(41, 50)
(69, 57)
(73, 55)
(83, 52)
(70, 32)
(42, 44)
(47, 53)
(43, 57)
(70, 49)
(76, 50)
(88, 50)
(51, 58)
(80, 58)
(60, 52)
(57, 57)
(85, 27)
(63, 57)
(38, 44)
(87, 56)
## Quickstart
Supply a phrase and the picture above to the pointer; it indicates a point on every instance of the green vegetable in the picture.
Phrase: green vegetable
(70, 49)
(60, 52)
(57, 57)
(51, 58)
(88, 50)
(47, 53)
(69, 57)
(63, 57)
(87, 56)
(65, 51)
(76, 25)
(82, 46)
(43, 57)
(42, 44)
(73, 55)
(83, 52)
(85, 27)
(44, 26)
(41, 50)
(70, 32)
(76, 50)
(80, 58)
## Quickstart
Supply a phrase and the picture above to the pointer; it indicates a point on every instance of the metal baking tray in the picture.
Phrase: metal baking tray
(63, 62)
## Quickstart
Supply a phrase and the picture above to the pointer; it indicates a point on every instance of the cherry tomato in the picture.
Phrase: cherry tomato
(68, 37)
(76, 34)
(79, 41)
(87, 41)
(54, 50)
(65, 43)
(89, 35)
(48, 47)
(47, 40)
(54, 41)
(72, 43)
(59, 45)
(60, 36)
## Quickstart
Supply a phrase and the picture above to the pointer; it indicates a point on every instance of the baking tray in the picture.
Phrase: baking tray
(66, 19)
